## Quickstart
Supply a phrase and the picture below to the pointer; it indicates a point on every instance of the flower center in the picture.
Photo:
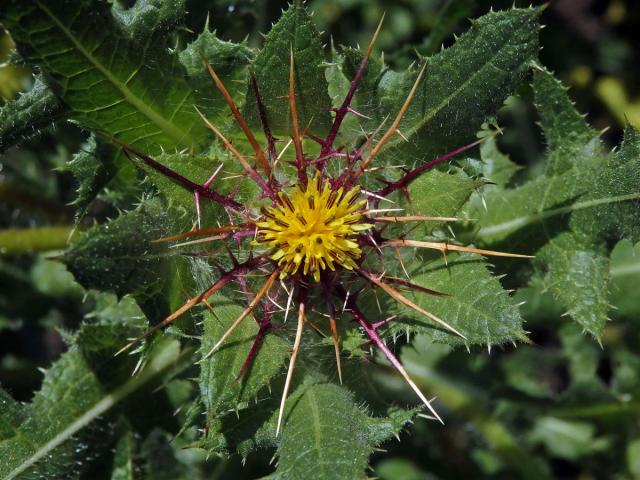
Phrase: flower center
(315, 228)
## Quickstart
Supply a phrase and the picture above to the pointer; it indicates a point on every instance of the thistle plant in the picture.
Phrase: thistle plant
(296, 235)
(320, 234)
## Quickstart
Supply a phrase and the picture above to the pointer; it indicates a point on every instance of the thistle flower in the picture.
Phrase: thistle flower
(315, 235)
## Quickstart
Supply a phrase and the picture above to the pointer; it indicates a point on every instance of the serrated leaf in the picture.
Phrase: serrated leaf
(28, 113)
(587, 200)
(439, 194)
(119, 255)
(230, 61)
(63, 415)
(11, 415)
(476, 304)
(197, 168)
(331, 446)
(107, 78)
(492, 58)
(578, 277)
(568, 136)
(369, 90)
(296, 31)
(93, 167)
(612, 196)
(145, 17)
(221, 388)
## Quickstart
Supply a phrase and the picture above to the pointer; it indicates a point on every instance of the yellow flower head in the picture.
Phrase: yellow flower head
(315, 228)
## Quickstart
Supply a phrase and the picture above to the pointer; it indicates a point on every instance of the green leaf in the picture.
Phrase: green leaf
(145, 17)
(61, 424)
(296, 31)
(578, 277)
(512, 216)
(29, 113)
(93, 167)
(569, 138)
(585, 202)
(221, 389)
(331, 446)
(496, 166)
(567, 439)
(123, 458)
(119, 255)
(625, 275)
(439, 194)
(230, 61)
(198, 169)
(11, 415)
(368, 92)
(113, 82)
(613, 195)
(476, 303)
(463, 85)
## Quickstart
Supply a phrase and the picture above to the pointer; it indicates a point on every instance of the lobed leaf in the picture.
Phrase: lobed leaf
(230, 61)
(294, 31)
(476, 303)
(578, 277)
(93, 167)
(586, 201)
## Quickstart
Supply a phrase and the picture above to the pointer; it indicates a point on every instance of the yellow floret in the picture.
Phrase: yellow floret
(315, 228)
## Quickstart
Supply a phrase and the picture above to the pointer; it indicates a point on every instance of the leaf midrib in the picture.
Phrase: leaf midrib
(525, 220)
(313, 405)
(167, 127)
(99, 408)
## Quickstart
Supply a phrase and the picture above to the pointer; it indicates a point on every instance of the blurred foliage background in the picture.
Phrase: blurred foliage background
(592, 46)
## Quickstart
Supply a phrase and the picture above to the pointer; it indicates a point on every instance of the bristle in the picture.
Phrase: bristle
(292, 363)
(264, 164)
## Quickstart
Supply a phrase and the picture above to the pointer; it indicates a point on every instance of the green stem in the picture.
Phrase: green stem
(29, 240)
